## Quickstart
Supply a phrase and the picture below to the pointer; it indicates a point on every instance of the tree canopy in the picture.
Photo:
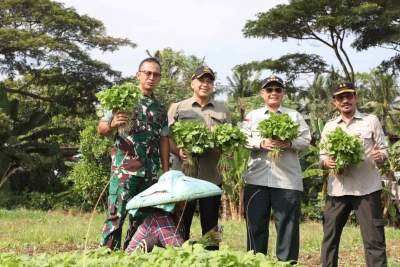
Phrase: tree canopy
(48, 86)
(46, 47)
(330, 23)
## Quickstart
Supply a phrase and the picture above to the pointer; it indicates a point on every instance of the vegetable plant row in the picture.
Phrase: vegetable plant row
(188, 255)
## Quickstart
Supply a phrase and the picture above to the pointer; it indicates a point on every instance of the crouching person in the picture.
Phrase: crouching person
(159, 228)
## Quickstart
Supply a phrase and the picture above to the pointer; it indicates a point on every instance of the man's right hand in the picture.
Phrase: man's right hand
(119, 118)
(267, 144)
(183, 155)
(329, 163)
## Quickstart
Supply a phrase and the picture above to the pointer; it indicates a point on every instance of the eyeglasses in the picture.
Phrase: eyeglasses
(341, 97)
(150, 73)
(278, 90)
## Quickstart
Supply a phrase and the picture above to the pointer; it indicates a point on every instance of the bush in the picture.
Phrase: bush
(38, 200)
(89, 180)
(91, 174)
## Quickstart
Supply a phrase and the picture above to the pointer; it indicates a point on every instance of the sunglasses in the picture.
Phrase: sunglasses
(278, 90)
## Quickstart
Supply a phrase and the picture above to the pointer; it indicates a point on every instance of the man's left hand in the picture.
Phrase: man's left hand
(281, 144)
(376, 154)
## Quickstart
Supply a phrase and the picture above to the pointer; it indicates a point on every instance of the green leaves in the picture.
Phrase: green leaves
(186, 256)
(231, 141)
(193, 136)
(123, 98)
(228, 137)
(347, 150)
(91, 174)
(279, 126)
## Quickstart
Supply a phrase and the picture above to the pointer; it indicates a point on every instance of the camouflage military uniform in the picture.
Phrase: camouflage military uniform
(140, 145)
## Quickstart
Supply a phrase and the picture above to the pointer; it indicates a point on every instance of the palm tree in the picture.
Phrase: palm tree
(316, 103)
(379, 98)
(242, 85)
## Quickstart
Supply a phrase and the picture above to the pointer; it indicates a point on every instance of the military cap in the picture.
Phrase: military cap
(345, 87)
(203, 70)
(272, 79)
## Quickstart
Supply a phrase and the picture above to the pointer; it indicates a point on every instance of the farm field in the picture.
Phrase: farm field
(26, 232)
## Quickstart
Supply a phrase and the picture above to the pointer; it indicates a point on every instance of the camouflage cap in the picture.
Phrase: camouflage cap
(203, 70)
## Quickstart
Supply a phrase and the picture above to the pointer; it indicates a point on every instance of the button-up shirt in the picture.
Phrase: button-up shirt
(363, 178)
(284, 173)
(211, 114)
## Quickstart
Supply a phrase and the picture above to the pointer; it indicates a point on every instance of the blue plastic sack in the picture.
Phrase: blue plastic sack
(173, 186)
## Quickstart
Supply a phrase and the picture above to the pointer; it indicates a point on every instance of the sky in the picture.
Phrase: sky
(210, 29)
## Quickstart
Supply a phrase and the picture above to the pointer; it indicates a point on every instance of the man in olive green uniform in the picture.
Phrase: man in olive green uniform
(200, 107)
(135, 157)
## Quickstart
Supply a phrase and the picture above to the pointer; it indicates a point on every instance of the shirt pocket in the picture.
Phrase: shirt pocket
(217, 118)
(185, 115)
(366, 136)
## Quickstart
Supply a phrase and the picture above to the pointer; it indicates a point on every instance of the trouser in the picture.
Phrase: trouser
(368, 212)
(122, 188)
(209, 211)
(285, 204)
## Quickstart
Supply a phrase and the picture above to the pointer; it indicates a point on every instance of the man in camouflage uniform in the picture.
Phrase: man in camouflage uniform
(135, 158)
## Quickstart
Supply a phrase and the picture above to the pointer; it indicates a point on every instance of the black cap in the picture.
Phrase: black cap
(203, 70)
(272, 79)
(344, 88)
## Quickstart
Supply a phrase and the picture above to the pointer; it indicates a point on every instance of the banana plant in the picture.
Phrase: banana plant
(23, 137)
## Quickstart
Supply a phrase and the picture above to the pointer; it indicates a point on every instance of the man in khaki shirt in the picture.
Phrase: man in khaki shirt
(359, 187)
(200, 107)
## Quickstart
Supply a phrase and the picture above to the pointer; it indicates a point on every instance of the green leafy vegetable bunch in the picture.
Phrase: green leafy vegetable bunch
(346, 149)
(279, 126)
(123, 98)
(230, 139)
(195, 138)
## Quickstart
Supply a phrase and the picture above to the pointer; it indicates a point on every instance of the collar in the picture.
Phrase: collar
(266, 110)
(357, 115)
(210, 102)
(149, 96)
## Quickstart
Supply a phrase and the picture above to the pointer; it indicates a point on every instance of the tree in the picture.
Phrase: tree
(242, 84)
(380, 91)
(325, 21)
(291, 65)
(176, 72)
(378, 24)
(25, 150)
(49, 81)
(47, 45)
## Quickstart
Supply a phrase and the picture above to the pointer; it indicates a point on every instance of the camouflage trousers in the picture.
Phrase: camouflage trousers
(122, 188)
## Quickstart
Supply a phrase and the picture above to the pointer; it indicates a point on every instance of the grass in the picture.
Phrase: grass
(31, 232)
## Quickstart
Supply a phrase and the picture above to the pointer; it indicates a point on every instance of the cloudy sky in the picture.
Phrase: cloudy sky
(205, 28)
